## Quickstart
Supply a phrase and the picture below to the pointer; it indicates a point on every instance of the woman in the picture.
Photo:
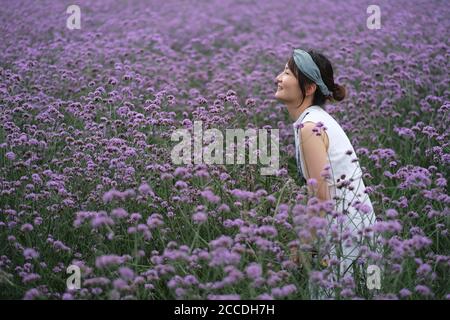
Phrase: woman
(325, 156)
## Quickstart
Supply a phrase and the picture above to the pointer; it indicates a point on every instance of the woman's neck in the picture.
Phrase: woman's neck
(295, 110)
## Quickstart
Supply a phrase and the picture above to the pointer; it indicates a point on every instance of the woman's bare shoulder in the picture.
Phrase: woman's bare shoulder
(308, 127)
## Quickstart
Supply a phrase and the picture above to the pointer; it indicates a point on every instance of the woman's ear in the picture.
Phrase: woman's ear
(311, 89)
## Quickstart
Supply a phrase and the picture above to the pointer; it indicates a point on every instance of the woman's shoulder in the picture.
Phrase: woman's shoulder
(310, 122)
(314, 113)
(320, 114)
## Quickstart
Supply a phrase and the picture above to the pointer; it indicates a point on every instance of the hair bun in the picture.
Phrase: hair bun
(339, 92)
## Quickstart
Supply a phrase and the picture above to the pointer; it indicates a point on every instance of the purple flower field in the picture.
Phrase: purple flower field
(87, 180)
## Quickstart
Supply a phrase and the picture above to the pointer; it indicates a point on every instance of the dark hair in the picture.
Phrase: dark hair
(326, 71)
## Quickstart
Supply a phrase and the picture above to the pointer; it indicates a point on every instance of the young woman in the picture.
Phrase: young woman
(323, 151)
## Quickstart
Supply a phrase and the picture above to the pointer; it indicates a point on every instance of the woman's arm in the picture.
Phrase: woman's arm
(314, 150)
(315, 155)
(316, 159)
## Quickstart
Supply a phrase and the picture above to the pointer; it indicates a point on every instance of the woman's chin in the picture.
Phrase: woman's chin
(278, 96)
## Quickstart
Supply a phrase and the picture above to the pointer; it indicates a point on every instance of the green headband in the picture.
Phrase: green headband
(307, 65)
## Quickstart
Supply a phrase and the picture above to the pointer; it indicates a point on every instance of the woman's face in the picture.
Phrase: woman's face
(287, 86)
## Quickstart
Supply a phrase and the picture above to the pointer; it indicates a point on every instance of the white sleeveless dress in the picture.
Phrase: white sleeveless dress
(355, 204)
